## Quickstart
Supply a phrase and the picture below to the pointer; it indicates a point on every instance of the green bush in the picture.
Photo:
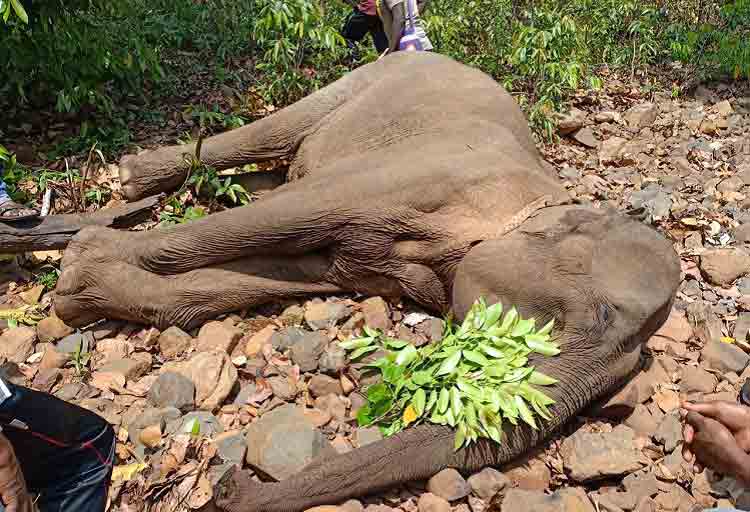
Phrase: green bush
(94, 53)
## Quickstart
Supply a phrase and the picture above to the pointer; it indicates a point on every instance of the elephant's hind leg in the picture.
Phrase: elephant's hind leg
(95, 290)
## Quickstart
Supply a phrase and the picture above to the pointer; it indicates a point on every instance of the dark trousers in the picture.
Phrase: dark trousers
(65, 452)
(359, 24)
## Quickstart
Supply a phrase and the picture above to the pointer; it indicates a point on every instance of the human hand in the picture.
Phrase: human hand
(716, 435)
(13, 491)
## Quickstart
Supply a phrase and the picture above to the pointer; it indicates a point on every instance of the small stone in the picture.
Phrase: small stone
(429, 502)
(732, 184)
(282, 442)
(641, 485)
(282, 340)
(17, 344)
(610, 150)
(173, 342)
(697, 380)
(529, 473)
(642, 115)
(172, 390)
(305, 352)
(488, 482)
(570, 121)
(722, 266)
(564, 500)
(449, 485)
(52, 329)
(112, 349)
(669, 432)
(231, 447)
(676, 328)
(607, 116)
(591, 456)
(317, 417)
(724, 357)
(333, 359)
(218, 336)
(377, 314)
(53, 359)
(321, 385)
(254, 344)
(708, 126)
(151, 436)
(322, 315)
(367, 435)
(641, 421)
(132, 368)
(149, 417)
(585, 136)
(213, 374)
(333, 405)
(282, 387)
(723, 108)
(352, 506)
(46, 379)
(293, 315)
(742, 327)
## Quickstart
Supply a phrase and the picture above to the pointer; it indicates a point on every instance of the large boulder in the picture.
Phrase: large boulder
(284, 441)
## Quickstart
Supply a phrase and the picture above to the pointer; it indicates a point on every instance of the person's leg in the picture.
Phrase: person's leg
(354, 30)
(85, 490)
(379, 39)
(3, 193)
(9, 209)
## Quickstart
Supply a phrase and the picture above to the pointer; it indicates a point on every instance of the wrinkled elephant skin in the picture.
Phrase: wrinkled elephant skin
(412, 176)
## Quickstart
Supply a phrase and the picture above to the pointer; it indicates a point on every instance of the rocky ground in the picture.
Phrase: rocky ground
(189, 405)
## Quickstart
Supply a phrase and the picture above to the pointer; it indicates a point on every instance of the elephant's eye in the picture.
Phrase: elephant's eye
(603, 313)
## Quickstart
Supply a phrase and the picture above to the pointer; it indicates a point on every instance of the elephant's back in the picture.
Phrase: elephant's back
(409, 99)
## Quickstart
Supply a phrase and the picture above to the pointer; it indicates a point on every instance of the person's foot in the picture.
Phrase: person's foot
(10, 211)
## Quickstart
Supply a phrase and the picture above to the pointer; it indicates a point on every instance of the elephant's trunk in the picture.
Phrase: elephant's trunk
(420, 452)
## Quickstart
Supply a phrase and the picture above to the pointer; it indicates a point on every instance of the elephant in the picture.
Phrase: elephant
(412, 176)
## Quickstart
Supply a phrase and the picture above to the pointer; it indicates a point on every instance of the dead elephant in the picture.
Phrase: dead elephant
(413, 176)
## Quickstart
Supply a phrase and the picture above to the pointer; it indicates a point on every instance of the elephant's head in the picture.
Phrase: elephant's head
(607, 280)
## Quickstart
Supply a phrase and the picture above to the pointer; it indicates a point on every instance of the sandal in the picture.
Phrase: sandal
(10, 211)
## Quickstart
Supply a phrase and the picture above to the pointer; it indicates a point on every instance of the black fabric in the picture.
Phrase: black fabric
(359, 24)
(49, 417)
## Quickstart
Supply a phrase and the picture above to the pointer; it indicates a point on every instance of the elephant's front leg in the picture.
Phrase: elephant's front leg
(102, 288)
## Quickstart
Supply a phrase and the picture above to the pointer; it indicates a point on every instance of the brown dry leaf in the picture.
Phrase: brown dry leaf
(151, 436)
(262, 393)
(202, 493)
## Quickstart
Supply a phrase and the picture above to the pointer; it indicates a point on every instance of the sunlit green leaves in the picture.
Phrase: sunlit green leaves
(474, 379)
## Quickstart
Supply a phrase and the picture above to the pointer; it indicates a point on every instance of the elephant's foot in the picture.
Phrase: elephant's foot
(104, 244)
(154, 171)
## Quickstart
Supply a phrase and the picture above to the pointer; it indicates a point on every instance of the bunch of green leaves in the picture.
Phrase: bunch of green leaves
(14, 6)
(475, 379)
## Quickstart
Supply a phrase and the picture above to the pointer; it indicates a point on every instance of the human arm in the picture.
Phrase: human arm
(13, 491)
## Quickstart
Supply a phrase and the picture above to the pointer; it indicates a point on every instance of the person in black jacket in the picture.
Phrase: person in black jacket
(54, 456)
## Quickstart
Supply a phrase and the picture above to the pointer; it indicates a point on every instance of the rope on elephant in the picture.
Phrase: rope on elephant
(457, 249)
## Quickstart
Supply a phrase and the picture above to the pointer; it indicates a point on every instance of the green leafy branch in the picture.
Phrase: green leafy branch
(474, 379)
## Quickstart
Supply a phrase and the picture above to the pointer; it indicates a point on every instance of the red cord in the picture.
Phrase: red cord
(60, 444)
